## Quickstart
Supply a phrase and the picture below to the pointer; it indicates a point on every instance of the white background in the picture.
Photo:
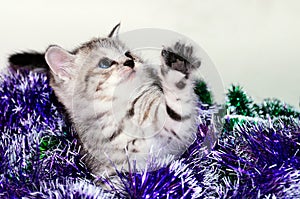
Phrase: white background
(252, 42)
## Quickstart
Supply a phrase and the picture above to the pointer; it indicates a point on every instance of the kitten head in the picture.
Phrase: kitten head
(92, 71)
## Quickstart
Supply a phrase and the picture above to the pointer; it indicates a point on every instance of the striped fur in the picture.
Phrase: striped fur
(123, 113)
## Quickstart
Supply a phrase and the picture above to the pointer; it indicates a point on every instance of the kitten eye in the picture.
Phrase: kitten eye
(106, 63)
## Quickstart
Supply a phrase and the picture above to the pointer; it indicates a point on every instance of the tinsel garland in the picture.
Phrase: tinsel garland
(256, 153)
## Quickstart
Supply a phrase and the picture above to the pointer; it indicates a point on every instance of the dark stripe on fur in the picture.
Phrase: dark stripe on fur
(158, 85)
(134, 151)
(156, 113)
(33, 59)
(146, 113)
(116, 133)
(175, 134)
(100, 115)
(175, 116)
(130, 112)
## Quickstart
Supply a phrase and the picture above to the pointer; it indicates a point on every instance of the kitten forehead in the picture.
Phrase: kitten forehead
(95, 43)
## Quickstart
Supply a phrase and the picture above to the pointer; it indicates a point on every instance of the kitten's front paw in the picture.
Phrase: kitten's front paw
(180, 57)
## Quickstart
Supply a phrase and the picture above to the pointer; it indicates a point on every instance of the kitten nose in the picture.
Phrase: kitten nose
(129, 63)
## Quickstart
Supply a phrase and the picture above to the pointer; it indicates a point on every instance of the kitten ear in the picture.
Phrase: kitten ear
(115, 31)
(60, 61)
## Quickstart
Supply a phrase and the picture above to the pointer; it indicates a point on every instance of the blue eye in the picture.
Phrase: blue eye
(106, 63)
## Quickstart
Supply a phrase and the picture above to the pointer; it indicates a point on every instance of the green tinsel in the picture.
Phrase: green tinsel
(275, 108)
(203, 92)
(47, 143)
(239, 103)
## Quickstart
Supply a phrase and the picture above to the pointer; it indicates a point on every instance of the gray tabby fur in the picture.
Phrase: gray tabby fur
(123, 113)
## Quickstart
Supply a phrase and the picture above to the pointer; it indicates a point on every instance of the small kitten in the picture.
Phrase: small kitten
(123, 108)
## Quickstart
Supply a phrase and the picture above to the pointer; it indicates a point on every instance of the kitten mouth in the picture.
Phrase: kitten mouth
(131, 75)
(128, 74)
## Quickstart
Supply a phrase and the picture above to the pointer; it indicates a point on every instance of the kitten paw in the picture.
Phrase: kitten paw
(180, 57)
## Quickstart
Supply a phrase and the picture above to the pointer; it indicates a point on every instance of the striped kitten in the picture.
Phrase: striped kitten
(123, 108)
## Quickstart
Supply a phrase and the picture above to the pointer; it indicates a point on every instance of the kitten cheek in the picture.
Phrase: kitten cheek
(124, 71)
(138, 65)
(131, 75)
(126, 74)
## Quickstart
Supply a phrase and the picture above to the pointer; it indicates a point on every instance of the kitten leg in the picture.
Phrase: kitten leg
(178, 64)
(177, 68)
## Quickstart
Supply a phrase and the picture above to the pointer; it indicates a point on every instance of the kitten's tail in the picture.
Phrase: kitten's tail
(28, 60)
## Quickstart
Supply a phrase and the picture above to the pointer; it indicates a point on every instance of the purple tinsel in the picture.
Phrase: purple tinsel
(40, 154)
